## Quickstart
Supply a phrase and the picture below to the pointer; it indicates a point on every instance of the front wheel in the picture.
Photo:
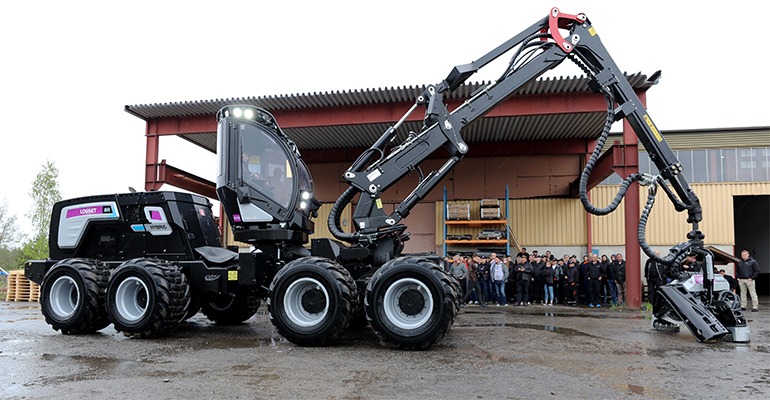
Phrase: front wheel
(72, 296)
(147, 297)
(411, 303)
(311, 301)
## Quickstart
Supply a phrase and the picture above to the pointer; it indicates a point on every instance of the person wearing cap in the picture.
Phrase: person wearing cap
(559, 288)
(734, 286)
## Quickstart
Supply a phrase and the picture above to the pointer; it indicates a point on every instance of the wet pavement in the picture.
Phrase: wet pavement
(533, 352)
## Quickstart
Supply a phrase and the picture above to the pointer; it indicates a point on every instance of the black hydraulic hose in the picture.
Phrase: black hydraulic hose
(672, 257)
(334, 217)
(592, 163)
(518, 51)
(582, 189)
(643, 227)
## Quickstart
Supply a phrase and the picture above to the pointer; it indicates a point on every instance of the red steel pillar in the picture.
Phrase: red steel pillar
(151, 159)
(633, 252)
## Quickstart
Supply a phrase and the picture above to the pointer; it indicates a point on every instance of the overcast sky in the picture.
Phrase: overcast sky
(69, 68)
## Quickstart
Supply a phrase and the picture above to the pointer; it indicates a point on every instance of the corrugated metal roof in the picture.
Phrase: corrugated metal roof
(715, 138)
(541, 127)
(359, 96)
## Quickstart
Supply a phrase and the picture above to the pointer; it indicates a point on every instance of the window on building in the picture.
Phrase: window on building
(718, 165)
(700, 167)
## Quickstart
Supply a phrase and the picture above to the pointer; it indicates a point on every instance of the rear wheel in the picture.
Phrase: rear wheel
(311, 301)
(72, 296)
(411, 303)
(229, 310)
(147, 297)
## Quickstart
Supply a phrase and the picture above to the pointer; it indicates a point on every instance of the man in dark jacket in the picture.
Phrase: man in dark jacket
(594, 272)
(571, 279)
(656, 277)
(523, 271)
(690, 264)
(734, 286)
(482, 265)
(536, 288)
(619, 273)
(747, 273)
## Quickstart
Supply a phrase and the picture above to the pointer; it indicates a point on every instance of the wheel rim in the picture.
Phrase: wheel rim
(131, 299)
(65, 297)
(408, 303)
(306, 302)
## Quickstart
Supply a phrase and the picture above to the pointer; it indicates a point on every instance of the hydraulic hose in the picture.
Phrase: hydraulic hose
(334, 217)
(641, 233)
(592, 163)
(673, 256)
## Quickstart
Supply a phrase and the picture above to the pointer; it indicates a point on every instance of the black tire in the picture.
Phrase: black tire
(411, 303)
(231, 310)
(311, 301)
(72, 296)
(147, 297)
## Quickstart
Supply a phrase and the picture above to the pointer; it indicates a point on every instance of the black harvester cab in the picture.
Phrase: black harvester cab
(263, 184)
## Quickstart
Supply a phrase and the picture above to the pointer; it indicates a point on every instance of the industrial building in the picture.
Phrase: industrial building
(531, 149)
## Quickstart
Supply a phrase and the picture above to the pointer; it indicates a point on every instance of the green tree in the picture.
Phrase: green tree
(45, 193)
(9, 240)
(9, 231)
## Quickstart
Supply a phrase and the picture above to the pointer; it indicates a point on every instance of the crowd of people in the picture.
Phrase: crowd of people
(545, 279)
(540, 279)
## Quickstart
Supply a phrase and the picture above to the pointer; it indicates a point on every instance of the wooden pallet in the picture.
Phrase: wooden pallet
(20, 288)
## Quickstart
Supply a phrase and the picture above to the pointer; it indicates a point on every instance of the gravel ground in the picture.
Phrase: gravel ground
(531, 352)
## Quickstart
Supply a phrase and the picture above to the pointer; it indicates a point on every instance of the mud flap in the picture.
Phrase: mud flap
(699, 320)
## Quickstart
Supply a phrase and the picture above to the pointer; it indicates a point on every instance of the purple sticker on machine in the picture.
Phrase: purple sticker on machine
(77, 212)
(698, 278)
(155, 215)
(237, 218)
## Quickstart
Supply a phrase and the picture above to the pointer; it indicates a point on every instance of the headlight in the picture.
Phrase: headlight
(249, 113)
(306, 195)
(237, 112)
(303, 205)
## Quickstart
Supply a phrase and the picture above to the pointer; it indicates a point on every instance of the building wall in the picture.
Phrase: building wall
(543, 219)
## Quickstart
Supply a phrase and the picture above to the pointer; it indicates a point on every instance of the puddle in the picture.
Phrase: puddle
(547, 328)
(241, 344)
(567, 315)
(751, 348)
